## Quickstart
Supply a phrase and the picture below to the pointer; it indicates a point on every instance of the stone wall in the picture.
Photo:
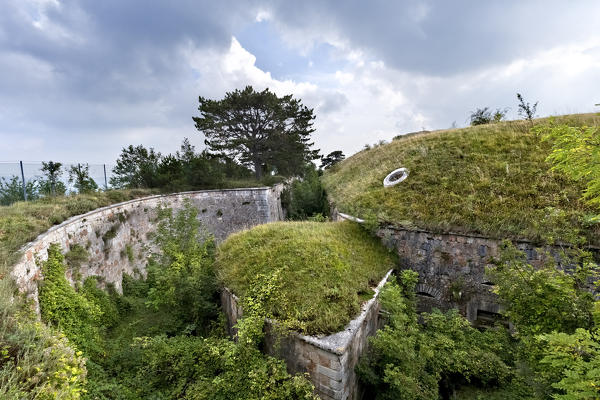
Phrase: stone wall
(452, 267)
(118, 237)
(329, 360)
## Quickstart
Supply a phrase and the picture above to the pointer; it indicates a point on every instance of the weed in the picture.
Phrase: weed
(129, 251)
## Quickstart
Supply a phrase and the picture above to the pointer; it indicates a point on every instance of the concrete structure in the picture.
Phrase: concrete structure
(329, 360)
(118, 237)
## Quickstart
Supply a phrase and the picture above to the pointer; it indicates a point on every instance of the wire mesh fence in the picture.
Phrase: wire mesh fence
(29, 173)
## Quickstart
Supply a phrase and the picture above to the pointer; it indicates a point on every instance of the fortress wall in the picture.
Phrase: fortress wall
(452, 267)
(118, 237)
(329, 360)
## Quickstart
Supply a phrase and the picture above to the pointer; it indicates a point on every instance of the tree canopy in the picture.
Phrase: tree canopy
(332, 158)
(259, 129)
(576, 153)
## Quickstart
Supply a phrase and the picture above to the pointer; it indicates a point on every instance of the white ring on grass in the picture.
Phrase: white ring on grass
(395, 177)
(351, 218)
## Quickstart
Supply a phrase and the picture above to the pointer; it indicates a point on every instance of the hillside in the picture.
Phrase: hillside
(488, 179)
(325, 270)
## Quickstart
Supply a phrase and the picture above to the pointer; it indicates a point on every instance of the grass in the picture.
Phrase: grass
(23, 221)
(489, 179)
(326, 270)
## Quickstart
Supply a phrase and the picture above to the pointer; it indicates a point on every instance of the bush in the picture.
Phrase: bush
(61, 306)
(305, 198)
(483, 116)
(36, 362)
(11, 190)
(181, 276)
(408, 360)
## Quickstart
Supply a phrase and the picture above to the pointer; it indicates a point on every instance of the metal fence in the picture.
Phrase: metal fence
(29, 171)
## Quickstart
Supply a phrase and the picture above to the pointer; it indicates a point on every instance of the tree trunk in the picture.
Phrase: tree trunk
(257, 170)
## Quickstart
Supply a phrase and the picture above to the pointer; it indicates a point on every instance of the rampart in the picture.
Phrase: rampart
(452, 267)
(118, 237)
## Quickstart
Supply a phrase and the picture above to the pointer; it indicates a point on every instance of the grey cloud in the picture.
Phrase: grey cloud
(444, 37)
(332, 102)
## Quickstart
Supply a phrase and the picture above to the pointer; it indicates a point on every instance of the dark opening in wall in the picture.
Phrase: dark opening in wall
(425, 294)
(488, 283)
(489, 318)
(219, 213)
(245, 203)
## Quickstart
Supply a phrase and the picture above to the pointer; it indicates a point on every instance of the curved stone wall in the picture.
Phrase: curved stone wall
(118, 237)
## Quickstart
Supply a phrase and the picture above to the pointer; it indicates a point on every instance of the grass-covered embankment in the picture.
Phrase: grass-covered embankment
(23, 221)
(324, 270)
(489, 179)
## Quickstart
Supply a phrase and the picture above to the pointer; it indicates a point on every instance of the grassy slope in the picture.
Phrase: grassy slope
(327, 269)
(490, 179)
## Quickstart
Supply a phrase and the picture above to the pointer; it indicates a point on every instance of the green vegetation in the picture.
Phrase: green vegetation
(11, 190)
(305, 198)
(147, 342)
(324, 269)
(79, 176)
(331, 159)
(181, 275)
(556, 321)
(487, 179)
(139, 167)
(576, 152)
(268, 133)
(483, 116)
(552, 352)
(36, 361)
(415, 360)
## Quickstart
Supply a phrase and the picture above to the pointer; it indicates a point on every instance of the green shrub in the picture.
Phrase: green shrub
(104, 299)
(11, 190)
(63, 307)
(36, 362)
(556, 321)
(305, 198)
(409, 360)
(181, 275)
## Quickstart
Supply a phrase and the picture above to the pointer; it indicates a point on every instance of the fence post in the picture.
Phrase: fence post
(105, 181)
(23, 178)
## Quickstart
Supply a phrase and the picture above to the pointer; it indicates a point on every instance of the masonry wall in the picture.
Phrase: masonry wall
(118, 238)
(329, 360)
(452, 267)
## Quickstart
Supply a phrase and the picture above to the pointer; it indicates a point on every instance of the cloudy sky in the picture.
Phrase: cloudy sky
(79, 80)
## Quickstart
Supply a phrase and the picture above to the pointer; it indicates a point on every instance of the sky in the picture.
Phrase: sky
(80, 80)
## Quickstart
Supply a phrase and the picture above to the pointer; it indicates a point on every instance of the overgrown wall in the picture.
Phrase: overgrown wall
(329, 360)
(452, 267)
(118, 237)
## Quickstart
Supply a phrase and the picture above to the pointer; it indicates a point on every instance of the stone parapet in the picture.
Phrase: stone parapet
(118, 237)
